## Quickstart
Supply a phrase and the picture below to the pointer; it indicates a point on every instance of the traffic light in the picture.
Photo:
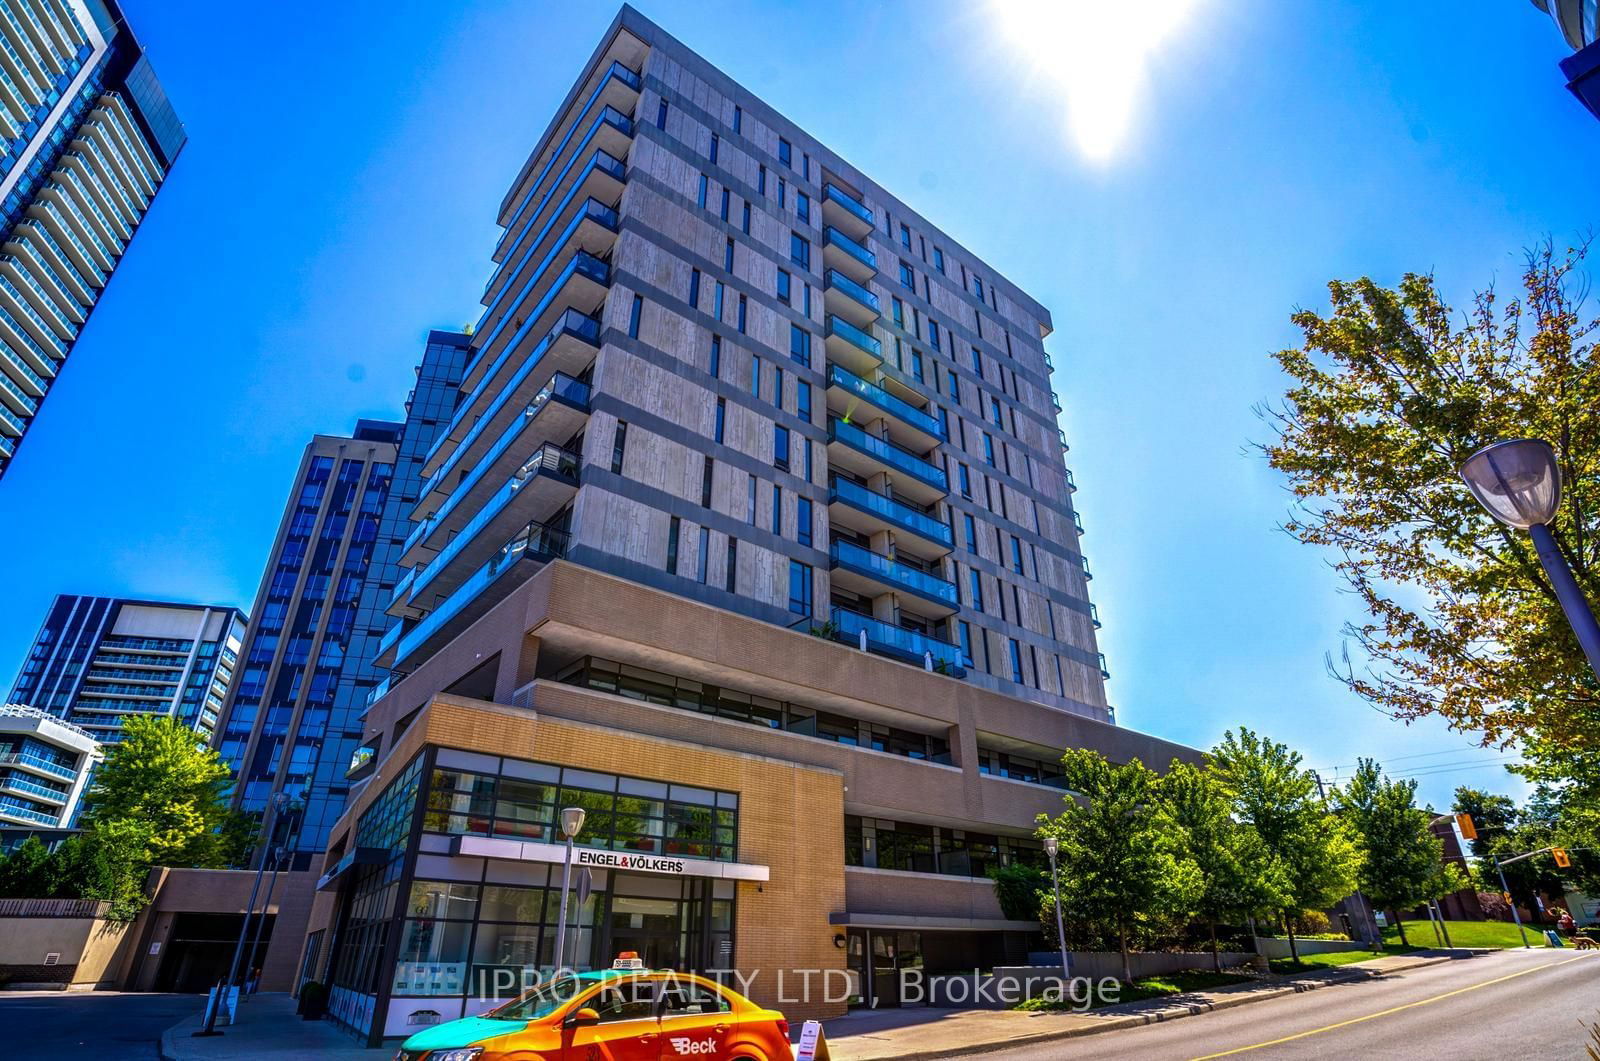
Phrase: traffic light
(1561, 857)
(1468, 830)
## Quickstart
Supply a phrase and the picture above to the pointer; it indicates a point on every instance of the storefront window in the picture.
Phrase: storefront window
(621, 813)
(881, 844)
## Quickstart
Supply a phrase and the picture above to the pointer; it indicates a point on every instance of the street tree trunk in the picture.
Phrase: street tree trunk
(1216, 954)
(1402, 926)
(1294, 951)
(1127, 966)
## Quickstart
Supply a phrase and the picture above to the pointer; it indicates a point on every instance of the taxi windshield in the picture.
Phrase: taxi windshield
(540, 1002)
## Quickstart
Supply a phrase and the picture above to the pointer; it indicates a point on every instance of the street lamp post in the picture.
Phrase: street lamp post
(271, 820)
(1506, 890)
(1051, 846)
(571, 825)
(1520, 484)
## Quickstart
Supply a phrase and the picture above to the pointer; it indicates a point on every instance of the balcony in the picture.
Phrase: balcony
(38, 764)
(32, 789)
(888, 640)
(600, 180)
(845, 298)
(1094, 615)
(1104, 672)
(618, 94)
(866, 455)
(519, 559)
(851, 347)
(570, 346)
(1072, 484)
(847, 393)
(847, 256)
(398, 606)
(865, 572)
(581, 284)
(541, 485)
(845, 211)
(559, 412)
(27, 379)
(17, 810)
(916, 533)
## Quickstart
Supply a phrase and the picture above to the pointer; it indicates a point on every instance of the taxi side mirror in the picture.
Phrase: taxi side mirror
(581, 1018)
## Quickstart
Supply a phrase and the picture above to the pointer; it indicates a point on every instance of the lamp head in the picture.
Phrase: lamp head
(572, 821)
(1051, 846)
(1517, 481)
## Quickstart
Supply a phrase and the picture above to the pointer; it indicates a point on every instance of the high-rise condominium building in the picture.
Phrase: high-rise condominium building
(1579, 21)
(45, 765)
(751, 536)
(294, 716)
(86, 138)
(96, 660)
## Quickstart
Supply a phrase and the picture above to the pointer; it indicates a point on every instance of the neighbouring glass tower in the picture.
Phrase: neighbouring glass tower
(295, 726)
(96, 660)
(294, 717)
(86, 139)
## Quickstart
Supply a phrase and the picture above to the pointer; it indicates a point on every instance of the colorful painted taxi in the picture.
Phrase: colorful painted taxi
(620, 1014)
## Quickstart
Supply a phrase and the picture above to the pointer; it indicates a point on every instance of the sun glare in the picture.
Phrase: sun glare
(1095, 55)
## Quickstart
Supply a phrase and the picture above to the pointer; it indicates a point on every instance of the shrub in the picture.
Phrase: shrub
(1023, 892)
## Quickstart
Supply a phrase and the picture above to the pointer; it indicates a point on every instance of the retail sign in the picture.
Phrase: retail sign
(813, 1045)
(595, 858)
(588, 856)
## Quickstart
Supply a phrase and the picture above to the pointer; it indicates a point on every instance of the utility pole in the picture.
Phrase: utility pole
(274, 806)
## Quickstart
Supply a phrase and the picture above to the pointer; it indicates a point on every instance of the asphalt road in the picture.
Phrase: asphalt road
(1521, 1005)
(88, 1024)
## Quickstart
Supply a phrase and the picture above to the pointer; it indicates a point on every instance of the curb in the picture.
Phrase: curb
(1168, 1013)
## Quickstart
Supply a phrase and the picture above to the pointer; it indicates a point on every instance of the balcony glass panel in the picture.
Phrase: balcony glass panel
(537, 542)
(571, 322)
(854, 493)
(592, 211)
(845, 330)
(840, 282)
(893, 641)
(850, 554)
(832, 237)
(875, 395)
(44, 764)
(834, 193)
(889, 453)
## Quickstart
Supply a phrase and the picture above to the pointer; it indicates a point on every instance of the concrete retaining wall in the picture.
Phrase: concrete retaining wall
(1278, 947)
(70, 951)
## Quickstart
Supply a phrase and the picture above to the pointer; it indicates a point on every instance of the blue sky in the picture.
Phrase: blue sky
(337, 196)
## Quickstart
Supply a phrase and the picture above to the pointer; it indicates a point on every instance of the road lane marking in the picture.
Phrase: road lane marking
(1387, 1012)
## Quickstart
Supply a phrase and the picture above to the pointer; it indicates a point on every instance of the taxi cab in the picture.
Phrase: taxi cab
(625, 1013)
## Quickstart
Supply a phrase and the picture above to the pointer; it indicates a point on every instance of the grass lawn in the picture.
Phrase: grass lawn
(1148, 987)
(1502, 934)
(1334, 959)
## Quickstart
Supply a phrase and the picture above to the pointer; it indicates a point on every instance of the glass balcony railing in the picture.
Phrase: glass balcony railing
(593, 210)
(32, 788)
(620, 73)
(17, 809)
(1072, 484)
(855, 336)
(832, 237)
(876, 396)
(889, 453)
(571, 322)
(1105, 673)
(840, 282)
(599, 161)
(28, 759)
(21, 367)
(890, 510)
(1094, 615)
(537, 542)
(9, 419)
(871, 564)
(890, 640)
(835, 194)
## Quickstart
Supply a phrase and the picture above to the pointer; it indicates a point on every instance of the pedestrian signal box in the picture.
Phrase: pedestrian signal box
(1469, 831)
(1562, 858)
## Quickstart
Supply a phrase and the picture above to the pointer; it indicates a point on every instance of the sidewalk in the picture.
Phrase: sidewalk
(867, 1035)
(268, 1028)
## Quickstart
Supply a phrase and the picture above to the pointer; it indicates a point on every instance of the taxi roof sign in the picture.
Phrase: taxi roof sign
(628, 960)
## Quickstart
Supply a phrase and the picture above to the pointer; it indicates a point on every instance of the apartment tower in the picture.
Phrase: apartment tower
(293, 718)
(750, 535)
(97, 660)
(86, 139)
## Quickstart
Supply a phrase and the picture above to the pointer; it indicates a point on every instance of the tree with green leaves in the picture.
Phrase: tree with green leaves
(1274, 794)
(1120, 868)
(1401, 860)
(1390, 392)
(159, 776)
(1492, 815)
(26, 872)
(1238, 878)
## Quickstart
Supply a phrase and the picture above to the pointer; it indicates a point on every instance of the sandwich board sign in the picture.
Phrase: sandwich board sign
(813, 1046)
